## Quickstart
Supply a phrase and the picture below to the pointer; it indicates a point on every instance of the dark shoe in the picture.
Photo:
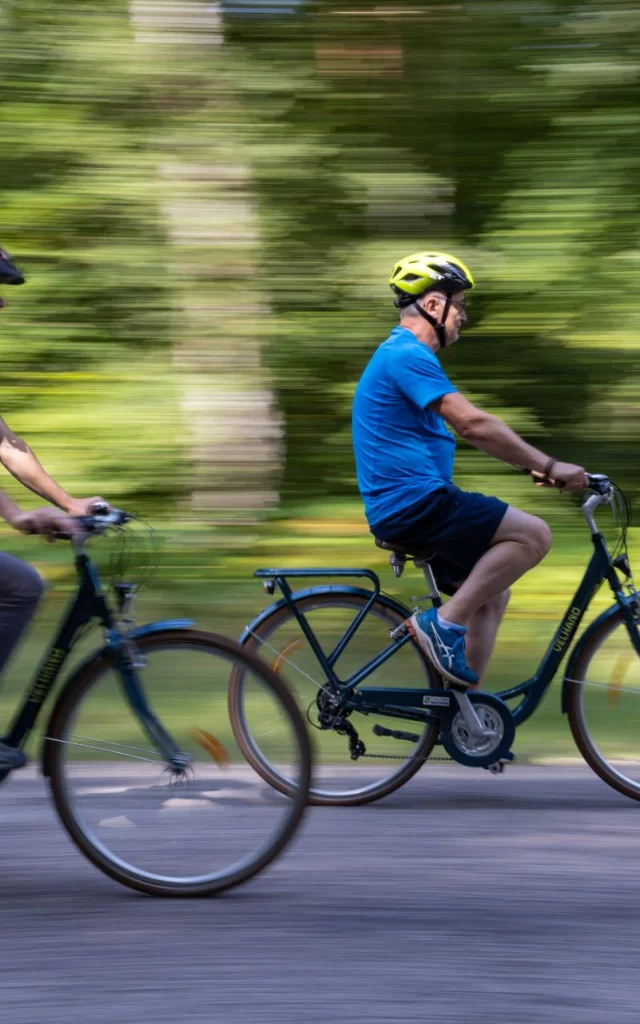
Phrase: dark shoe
(11, 757)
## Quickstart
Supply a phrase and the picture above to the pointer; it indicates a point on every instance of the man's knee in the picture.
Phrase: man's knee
(33, 585)
(529, 531)
(539, 538)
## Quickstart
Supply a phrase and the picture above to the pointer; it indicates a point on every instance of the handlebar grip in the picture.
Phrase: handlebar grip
(598, 482)
(540, 481)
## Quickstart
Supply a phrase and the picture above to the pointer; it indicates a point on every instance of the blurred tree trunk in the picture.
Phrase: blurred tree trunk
(227, 402)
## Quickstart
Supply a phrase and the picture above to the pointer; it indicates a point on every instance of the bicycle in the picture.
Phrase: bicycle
(141, 807)
(320, 638)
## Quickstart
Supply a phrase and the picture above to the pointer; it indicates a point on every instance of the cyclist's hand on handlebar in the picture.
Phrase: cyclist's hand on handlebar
(87, 506)
(564, 475)
(50, 522)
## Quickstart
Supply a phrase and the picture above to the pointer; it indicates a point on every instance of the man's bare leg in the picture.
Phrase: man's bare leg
(482, 630)
(520, 542)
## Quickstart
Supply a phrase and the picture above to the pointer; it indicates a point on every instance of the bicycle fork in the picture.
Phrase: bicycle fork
(129, 662)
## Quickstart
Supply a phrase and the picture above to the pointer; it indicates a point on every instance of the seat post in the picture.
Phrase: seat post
(432, 586)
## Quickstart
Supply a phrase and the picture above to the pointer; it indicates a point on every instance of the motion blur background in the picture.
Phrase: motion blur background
(207, 199)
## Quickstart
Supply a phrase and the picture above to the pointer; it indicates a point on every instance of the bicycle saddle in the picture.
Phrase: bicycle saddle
(399, 549)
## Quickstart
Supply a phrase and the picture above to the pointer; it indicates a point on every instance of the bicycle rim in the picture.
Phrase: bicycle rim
(211, 828)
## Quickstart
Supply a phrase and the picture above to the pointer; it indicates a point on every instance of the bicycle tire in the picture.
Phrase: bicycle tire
(584, 740)
(81, 684)
(318, 795)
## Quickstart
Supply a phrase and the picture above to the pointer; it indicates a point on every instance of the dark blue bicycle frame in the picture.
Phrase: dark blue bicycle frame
(408, 702)
(89, 603)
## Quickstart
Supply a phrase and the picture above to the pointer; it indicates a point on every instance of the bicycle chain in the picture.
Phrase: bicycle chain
(400, 757)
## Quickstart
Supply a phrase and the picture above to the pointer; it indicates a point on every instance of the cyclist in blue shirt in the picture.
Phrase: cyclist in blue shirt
(404, 461)
(20, 584)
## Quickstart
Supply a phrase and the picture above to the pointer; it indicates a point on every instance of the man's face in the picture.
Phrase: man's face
(456, 317)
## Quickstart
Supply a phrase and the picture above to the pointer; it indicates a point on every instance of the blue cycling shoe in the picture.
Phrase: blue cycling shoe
(443, 647)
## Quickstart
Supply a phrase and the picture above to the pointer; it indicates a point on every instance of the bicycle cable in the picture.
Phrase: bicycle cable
(621, 511)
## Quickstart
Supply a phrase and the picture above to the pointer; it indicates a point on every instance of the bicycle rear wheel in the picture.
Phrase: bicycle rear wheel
(212, 828)
(603, 707)
(389, 761)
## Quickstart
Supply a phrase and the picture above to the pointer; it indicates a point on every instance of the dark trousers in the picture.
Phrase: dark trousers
(20, 591)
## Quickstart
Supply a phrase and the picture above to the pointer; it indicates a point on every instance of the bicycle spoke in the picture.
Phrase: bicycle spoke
(281, 657)
(112, 748)
(123, 746)
(605, 686)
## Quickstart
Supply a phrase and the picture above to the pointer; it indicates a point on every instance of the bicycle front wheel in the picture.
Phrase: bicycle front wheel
(603, 707)
(388, 761)
(212, 827)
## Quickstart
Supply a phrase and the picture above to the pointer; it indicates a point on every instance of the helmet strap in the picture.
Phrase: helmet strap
(439, 327)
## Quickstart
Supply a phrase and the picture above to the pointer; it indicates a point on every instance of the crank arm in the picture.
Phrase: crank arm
(467, 711)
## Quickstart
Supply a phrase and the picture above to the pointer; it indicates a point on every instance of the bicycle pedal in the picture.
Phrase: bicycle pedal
(397, 734)
(497, 767)
(399, 631)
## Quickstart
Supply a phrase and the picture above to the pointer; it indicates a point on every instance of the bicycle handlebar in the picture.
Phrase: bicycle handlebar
(598, 482)
(103, 518)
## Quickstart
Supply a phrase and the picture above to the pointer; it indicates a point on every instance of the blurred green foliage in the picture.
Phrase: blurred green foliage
(503, 130)
(506, 132)
(80, 213)
(207, 201)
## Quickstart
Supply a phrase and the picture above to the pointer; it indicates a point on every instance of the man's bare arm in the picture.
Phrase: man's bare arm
(17, 457)
(489, 433)
(9, 511)
(482, 430)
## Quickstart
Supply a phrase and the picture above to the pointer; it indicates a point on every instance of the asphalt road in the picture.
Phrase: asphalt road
(464, 897)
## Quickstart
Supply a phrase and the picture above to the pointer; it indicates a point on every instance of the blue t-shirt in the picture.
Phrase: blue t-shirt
(403, 450)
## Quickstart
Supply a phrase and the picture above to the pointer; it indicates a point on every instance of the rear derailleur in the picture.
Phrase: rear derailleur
(331, 715)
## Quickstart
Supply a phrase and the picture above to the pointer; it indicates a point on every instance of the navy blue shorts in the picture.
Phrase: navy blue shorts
(457, 525)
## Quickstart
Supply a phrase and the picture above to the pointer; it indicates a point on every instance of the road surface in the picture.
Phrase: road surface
(464, 897)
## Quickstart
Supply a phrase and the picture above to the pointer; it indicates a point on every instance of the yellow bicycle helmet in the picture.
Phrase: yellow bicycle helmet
(414, 275)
